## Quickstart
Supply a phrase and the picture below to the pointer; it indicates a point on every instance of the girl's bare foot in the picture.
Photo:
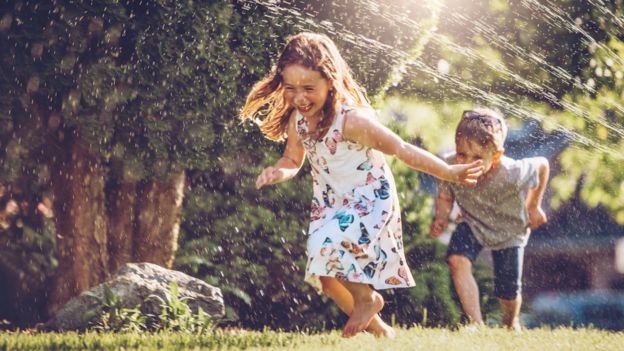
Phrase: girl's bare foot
(363, 313)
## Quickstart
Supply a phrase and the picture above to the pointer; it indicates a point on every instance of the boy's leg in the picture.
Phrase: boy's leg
(508, 283)
(366, 304)
(466, 287)
(343, 298)
(463, 249)
(511, 312)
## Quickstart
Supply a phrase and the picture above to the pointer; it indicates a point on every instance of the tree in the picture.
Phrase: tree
(106, 105)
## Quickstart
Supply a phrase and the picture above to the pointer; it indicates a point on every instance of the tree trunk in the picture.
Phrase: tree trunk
(81, 225)
(122, 224)
(159, 207)
(141, 224)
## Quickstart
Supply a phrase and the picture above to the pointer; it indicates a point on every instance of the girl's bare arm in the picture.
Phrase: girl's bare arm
(289, 164)
(362, 127)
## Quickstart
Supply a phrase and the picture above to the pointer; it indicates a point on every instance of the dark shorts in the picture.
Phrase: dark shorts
(507, 262)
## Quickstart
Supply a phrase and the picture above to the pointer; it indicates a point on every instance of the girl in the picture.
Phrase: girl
(355, 239)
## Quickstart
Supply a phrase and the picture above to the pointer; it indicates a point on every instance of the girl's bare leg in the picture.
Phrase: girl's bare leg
(366, 304)
(343, 298)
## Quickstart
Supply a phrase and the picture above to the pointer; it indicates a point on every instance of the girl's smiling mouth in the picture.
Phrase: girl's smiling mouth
(305, 108)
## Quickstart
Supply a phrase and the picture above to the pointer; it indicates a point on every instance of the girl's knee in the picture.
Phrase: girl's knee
(328, 285)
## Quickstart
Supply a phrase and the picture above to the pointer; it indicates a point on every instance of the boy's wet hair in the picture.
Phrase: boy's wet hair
(483, 125)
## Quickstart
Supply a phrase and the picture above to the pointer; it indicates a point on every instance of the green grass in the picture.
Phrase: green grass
(407, 339)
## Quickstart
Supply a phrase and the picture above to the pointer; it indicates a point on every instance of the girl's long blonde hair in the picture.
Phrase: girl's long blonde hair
(265, 103)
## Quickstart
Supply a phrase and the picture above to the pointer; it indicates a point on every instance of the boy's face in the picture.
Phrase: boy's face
(468, 151)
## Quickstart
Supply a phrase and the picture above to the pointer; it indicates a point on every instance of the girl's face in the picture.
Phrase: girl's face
(306, 90)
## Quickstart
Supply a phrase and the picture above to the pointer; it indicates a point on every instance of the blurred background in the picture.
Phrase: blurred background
(120, 142)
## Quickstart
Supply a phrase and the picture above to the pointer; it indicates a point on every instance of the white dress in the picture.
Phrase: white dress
(355, 230)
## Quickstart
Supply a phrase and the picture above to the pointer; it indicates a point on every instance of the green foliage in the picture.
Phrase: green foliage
(256, 256)
(478, 52)
(28, 251)
(28, 261)
(176, 315)
(116, 318)
(430, 302)
(600, 122)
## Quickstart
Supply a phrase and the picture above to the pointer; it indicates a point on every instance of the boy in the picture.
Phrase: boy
(497, 213)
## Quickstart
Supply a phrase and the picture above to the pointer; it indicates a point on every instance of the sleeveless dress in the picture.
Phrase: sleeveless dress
(355, 221)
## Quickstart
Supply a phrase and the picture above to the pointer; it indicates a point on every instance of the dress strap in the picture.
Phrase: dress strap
(300, 124)
(340, 118)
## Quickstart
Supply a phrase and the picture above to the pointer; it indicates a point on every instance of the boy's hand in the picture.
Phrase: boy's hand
(269, 175)
(537, 217)
(467, 174)
(437, 227)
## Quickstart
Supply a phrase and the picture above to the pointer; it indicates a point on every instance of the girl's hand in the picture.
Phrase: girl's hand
(466, 174)
(269, 175)
(437, 227)
(537, 217)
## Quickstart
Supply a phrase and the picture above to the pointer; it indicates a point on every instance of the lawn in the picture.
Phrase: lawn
(407, 339)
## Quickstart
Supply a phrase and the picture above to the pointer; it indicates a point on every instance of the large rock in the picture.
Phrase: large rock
(136, 284)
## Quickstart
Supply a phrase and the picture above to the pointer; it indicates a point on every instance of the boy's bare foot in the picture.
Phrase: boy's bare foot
(513, 325)
(516, 327)
(362, 315)
(473, 327)
(380, 329)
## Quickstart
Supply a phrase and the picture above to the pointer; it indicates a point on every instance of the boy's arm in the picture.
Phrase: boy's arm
(535, 195)
(443, 207)
(289, 164)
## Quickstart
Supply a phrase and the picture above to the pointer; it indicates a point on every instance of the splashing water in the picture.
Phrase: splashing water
(406, 60)
(559, 17)
(543, 90)
(601, 6)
